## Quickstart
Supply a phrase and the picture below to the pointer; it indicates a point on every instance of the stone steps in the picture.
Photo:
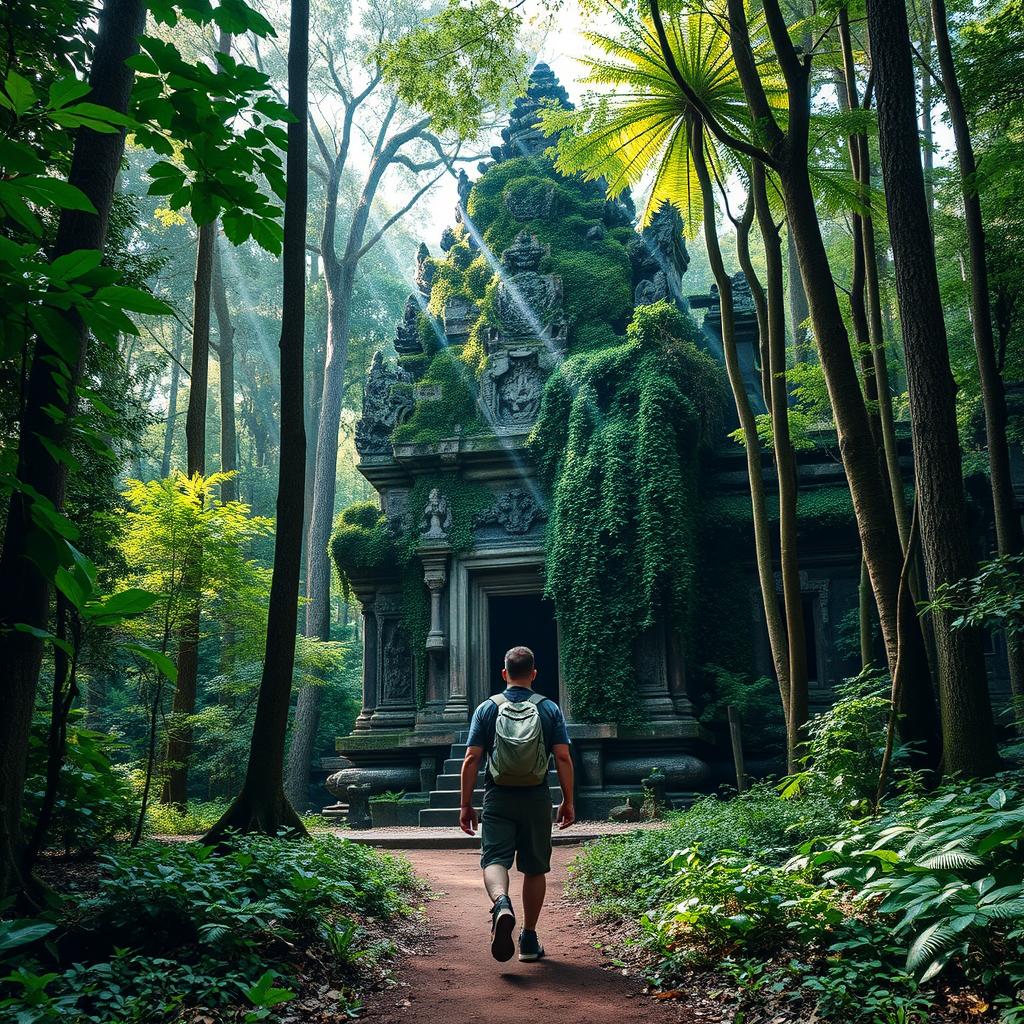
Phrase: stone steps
(443, 804)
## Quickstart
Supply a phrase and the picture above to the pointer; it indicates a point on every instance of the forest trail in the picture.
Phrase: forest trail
(457, 981)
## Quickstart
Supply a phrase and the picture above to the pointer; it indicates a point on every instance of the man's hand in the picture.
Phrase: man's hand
(566, 815)
(468, 820)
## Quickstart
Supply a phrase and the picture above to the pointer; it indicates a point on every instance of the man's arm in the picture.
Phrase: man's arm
(468, 819)
(563, 765)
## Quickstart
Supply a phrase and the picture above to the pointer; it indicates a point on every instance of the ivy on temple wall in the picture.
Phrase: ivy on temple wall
(617, 444)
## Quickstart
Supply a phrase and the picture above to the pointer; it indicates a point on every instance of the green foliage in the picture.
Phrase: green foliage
(617, 442)
(458, 64)
(759, 706)
(821, 508)
(94, 801)
(361, 542)
(223, 925)
(193, 820)
(454, 411)
(628, 874)
(994, 599)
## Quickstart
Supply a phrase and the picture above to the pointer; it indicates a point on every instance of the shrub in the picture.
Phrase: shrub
(196, 818)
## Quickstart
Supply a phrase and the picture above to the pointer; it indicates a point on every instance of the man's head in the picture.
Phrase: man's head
(519, 667)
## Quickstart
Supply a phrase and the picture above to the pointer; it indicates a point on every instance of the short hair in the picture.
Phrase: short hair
(519, 662)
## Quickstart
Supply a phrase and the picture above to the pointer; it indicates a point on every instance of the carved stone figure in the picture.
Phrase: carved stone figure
(385, 405)
(397, 668)
(437, 517)
(528, 304)
(525, 253)
(511, 387)
(464, 186)
(660, 248)
(516, 510)
(424, 269)
(407, 333)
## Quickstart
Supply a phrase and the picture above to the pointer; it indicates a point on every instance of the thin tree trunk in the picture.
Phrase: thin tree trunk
(262, 806)
(179, 735)
(172, 402)
(748, 424)
(743, 226)
(966, 713)
(993, 395)
(785, 462)
(798, 309)
(927, 129)
(871, 500)
(24, 588)
(226, 358)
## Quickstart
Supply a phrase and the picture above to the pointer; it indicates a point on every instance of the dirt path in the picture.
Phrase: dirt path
(458, 982)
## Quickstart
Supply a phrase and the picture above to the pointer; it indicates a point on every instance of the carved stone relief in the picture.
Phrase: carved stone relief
(516, 511)
(397, 667)
(407, 333)
(511, 387)
(385, 405)
(437, 517)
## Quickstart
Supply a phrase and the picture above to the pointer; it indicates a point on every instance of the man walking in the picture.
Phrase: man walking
(517, 731)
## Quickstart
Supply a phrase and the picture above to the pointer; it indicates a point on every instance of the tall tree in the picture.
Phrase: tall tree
(172, 401)
(262, 806)
(1009, 540)
(396, 134)
(225, 349)
(966, 714)
(50, 398)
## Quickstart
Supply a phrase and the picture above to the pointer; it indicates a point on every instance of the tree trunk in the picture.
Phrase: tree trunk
(966, 714)
(927, 130)
(785, 464)
(993, 394)
(871, 500)
(261, 806)
(864, 604)
(748, 424)
(226, 358)
(179, 735)
(798, 309)
(172, 402)
(24, 587)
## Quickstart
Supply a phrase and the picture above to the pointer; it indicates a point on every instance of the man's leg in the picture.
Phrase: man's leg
(496, 881)
(534, 888)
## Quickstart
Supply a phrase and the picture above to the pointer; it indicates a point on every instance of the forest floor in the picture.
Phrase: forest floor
(454, 979)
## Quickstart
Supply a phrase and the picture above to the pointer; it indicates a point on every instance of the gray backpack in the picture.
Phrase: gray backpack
(519, 756)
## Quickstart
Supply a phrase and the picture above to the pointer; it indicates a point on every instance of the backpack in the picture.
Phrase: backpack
(519, 756)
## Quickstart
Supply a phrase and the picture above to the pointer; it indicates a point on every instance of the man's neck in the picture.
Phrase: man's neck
(520, 684)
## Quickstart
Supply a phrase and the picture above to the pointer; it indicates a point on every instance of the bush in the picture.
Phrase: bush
(94, 802)
(628, 874)
(195, 819)
(759, 707)
(177, 925)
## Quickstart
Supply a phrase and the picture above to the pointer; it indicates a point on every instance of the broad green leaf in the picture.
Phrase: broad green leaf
(132, 601)
(133, 299)
(20, 933)
(66, 90)
(164, 665)
(20, 91)
(74, 264)
(42, 189)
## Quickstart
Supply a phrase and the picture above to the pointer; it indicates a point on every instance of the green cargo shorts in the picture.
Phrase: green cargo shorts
(517, 822)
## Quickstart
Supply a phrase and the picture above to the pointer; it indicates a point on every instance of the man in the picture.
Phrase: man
(517, 731)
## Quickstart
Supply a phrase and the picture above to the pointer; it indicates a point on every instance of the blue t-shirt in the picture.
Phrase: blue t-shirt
(481, 727)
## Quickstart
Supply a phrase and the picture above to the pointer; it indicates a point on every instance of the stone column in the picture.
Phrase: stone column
(435, 576)
(362, 723)
(652, 676)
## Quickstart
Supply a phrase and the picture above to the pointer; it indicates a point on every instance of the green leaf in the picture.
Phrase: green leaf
(134, 299)
(20, 933)
(164, 665)
(19, 158)
(264, 994)
(67, 90)
(20, 91)
(54, 190)
(53, 327)
(132, 601)
(75, 264)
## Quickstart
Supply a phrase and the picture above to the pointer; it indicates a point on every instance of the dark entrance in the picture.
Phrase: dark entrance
(524, 619)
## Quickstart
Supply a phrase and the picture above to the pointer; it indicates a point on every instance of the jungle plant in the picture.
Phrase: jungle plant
(617, 443)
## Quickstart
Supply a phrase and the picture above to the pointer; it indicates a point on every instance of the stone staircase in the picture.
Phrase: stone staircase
(443, 806)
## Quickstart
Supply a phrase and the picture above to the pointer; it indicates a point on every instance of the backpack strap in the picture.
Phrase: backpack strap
(537, 698)
(499, 699)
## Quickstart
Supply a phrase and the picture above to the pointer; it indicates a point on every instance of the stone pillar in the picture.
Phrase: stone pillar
(652, 676)
(362, 722)
(435, 576)
(677, 675)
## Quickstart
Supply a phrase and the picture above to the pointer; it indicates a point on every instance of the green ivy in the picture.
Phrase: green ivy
(361, 542)
(454, 412)
(617, 445)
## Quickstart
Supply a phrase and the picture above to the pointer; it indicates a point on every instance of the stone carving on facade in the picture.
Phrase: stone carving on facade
(516, 511)
(385, 405)
(511, 388)
(396, 512)
(397, 668)
(460, 313)
(407, 333)
(437, 517)
(527, 304)
(424, 269)
(660, 249)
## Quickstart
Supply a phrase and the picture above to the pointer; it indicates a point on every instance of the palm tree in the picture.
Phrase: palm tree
(649, 132)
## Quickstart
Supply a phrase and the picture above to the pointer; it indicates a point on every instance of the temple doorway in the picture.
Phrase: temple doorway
(526, 619)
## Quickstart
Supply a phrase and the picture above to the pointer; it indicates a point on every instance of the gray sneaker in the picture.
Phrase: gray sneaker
(503, 923)
(529, 946)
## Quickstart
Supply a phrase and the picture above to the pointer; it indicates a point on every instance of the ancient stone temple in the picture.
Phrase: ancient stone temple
(451, 565)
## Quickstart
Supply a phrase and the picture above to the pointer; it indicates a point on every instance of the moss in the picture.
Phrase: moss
(361, 542)
(819, 508)
(617, 445)
(454, 411)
